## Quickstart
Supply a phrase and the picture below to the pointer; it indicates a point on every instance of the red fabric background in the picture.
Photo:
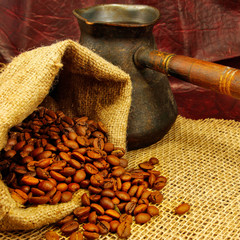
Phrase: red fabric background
(206, 29)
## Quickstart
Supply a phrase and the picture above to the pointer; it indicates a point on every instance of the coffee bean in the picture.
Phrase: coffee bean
(140, 209)
(97, 180)
(76, 236)
(146, 166)
(153, 161)
(37, 192)
(142, 218)
(113, 160)
(156, 197)
(85, 200)
(57, 176)
(112, 213)
(130, 206)
(39, 200)
(81, 211)
(153, 211)
(104, 227)
(126, 218)
(106, 203)
(124, 230)
(79, 176)
(104, 218)
(70, 227)
(114, 225)
(92, 218)
(66, 196)
(45, 185)
(90, 169)
(90, 235)
(182, 209)
(28, 180)
(90, 227)
(19, 196)
(108, 193)
(123, 196)
(99, 209)
(51, 235)
(56, 198)
(65, 220)
(126, 186)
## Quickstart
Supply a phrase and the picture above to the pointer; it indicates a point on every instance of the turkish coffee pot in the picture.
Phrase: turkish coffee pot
(122, 34)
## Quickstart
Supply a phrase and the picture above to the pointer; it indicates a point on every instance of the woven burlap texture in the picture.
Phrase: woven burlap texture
(99, 88)
(200, 158)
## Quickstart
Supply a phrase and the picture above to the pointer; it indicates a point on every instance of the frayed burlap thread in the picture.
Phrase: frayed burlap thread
(200, 158)
(26, 82)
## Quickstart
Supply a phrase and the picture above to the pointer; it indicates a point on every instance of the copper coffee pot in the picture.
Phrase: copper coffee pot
(122, 34)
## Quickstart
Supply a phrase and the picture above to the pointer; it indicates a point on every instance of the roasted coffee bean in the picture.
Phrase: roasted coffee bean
(146, 166)
(56, 198)
(81, 211)
(43, 155)
(64, 156)
(84, 183)
(112, 213)
(39, 200)
(92, 217)
(153, 211)
(126, 177)
(153, 161)
(152, 179)
(65, 220)
(68, 171)
(113, 160)
(94, 190)
(95, 198)
(51, 235)
(118, 152)
(97, 180)
(143, 201)
(124, 229)
(70, 227)
(98, 208)
(115, 201)
(85, 200)
(66, 196)
(79, 176)
(132, 191)
(90, 169)
(182, 209)
(123, 162)
(78, 156)
(123, 196)
(37, 192)
(121, 206)
(108, 193)
(155, 197)
(104, 227)
(90, 227)
(126, 218)
(51, 193)
(126, 186)
(73, 187)
(62, 187)
(74, 163)
(71, 144)
(117, 171)
(140, 190)
(94, 153)
(129, 207)
(106, 203)
(104, 218)
(140, 209)
(57, 176)
(142, 218)
(76, 236)
(108, 147)
(28, 180)
(159, 183)
(19, 196)
(114, 225)
(45, 185)
(90, 235)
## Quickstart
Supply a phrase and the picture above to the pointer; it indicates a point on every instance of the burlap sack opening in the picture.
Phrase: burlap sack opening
(89, 86)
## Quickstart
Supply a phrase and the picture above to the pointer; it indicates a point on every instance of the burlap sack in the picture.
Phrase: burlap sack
(105, 95)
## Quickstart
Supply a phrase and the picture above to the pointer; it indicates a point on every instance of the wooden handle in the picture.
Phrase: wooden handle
(216, 77)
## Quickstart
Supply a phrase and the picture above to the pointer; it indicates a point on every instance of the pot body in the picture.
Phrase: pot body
(153, 108)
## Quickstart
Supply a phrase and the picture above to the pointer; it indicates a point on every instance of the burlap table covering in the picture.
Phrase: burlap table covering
(200, 158)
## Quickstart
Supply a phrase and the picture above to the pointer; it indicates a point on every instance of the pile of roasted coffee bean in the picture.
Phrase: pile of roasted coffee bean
(49, 156)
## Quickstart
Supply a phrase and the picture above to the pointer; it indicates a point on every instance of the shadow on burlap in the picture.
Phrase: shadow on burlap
(200, 158)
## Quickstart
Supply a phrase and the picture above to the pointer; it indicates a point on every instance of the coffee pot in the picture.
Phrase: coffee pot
(122, 34)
